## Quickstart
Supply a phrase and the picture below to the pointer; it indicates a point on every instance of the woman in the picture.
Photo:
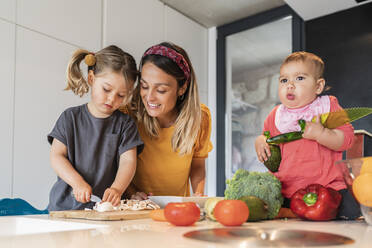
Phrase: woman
(173, 125)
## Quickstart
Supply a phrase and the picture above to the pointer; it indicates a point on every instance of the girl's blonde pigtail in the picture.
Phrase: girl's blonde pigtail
(75, 80)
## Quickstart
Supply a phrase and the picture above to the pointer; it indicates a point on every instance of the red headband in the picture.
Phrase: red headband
(171, 54)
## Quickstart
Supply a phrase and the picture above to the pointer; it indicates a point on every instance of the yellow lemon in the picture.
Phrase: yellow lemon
(362, 189)
(367, 165)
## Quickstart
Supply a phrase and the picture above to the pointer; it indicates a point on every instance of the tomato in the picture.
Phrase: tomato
(231, 212)
(182, 214)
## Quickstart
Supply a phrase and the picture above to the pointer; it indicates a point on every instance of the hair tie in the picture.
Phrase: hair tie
(90, 59)
(171, 54)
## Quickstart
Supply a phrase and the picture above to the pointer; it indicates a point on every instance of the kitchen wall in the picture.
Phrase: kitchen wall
(37, 40)
(344, 41)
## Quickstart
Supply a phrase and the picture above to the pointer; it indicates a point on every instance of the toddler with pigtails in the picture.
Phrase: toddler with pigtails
(94, 146)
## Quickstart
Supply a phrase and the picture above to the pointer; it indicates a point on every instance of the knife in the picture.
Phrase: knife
(343, 116)
(93, 198)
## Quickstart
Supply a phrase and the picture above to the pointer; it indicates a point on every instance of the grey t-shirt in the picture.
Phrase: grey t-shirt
(94, 146)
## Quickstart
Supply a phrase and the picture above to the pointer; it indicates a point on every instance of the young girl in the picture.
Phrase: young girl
(311, 159)
(94, 146)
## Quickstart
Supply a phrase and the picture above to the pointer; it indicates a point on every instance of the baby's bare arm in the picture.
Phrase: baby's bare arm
(262, 148)
(330, 138)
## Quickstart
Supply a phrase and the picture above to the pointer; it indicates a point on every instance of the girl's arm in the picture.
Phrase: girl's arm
(126, 170)
(197, 175)
(64, 169)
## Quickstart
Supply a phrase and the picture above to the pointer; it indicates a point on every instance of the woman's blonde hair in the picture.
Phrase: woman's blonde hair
(188, 121)
(111, 57)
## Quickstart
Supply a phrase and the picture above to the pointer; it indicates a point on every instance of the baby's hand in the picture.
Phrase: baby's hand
(112, 195)
(313, 130)
(262, 148)
(82, 192)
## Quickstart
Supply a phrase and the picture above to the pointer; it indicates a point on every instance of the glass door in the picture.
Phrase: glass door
(253, 59)
(249, 55)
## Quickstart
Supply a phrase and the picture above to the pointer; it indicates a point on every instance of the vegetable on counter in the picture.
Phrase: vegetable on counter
(182, 213)
(315, 202)
(231, 212)
(209, 206)
(157, 215)
(263, 185)
(257, 208)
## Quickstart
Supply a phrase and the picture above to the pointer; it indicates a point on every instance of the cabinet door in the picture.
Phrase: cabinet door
(194, 39)
(7, 34)
(39, 101)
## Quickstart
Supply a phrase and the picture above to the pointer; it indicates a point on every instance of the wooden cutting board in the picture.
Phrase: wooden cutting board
(94, 215)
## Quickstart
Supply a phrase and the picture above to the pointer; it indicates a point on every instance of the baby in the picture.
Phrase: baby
(311, 159)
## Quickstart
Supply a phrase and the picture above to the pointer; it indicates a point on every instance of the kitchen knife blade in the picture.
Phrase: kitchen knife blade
(94, 198)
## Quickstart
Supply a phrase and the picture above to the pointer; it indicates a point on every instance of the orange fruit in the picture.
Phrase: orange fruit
(362, 189)
(367, 165)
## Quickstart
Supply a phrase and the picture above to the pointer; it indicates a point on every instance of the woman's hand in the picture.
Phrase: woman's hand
(262, 148)
(82, 192)
(112, 195)
(140, 196)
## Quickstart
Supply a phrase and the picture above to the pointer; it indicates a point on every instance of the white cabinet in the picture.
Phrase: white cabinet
(8, 10)
(38, 38)
(39, 100)
(134, 26)
(7, 34)
(194, 39)
(76, 22)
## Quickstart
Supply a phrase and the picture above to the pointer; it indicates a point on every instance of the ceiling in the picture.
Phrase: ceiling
(211, 13)
(248, 50)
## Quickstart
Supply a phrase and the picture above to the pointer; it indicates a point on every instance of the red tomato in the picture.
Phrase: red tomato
(231, 212)
(182, 214)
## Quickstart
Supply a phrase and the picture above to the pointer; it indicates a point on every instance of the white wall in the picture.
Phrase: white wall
(37, 40)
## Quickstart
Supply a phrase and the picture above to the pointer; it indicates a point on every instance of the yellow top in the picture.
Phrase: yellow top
(160, 170)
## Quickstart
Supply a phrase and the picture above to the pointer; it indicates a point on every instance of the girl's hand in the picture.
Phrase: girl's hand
(140, 196)
(313, 131)
(82, 192)
(112, 195)
(262, 148)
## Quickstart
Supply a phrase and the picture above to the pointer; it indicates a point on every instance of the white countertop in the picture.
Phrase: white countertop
(148, 233)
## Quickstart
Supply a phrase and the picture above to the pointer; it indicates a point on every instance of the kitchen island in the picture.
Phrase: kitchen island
(148, 233)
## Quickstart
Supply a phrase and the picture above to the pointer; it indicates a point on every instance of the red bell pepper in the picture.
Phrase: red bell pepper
(315, 202)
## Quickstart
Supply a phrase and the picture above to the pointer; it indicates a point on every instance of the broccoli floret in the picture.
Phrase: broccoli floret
(263, 185)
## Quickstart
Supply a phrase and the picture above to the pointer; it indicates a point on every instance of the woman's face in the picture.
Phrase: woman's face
(159, 92)
(298, 85)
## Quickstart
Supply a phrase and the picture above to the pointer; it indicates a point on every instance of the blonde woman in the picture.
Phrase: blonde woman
(172, 123)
